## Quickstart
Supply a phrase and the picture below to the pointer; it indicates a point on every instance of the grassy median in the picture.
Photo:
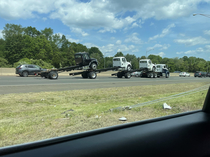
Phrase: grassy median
(35, 116)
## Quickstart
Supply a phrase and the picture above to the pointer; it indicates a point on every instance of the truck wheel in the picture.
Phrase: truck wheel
(128, 75)
(85, 75)
(25, 74)
(92, 75)
(154, 75)
(119, 75)
(129, 68)
(53, 75)
(93, 66)
(151, 75)
(153, 69)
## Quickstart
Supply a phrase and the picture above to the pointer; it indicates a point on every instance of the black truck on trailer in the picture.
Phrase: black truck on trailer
(82, 59)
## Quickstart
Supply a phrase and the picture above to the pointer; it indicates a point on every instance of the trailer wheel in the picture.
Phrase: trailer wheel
(154, 75)
(92, 75)
(119, 75)
(85, 75)
(128, 75)
(151, 75)
(53, 75)
(93, 66)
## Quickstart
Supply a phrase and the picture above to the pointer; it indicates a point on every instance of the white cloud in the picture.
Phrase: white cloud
(164, 32)
(22, 9)
(193, 41)
(159, 46)
(205, 49)
(79, 31)
(89, 45)
(107, 30)
(1, 34)
(134, 25)
(133, 38)
(100, 14)
(206, 32)
(151, 24)
(161, 54)
(44, 18)
(181, 34)
(118, 42)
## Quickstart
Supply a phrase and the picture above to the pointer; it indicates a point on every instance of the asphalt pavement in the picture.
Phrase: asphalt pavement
(16, 84)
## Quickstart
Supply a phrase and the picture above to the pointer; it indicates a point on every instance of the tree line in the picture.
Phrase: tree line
(30, 45)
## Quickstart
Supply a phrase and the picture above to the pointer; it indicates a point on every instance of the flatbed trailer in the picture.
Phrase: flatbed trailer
(92, 74)
(53, 73)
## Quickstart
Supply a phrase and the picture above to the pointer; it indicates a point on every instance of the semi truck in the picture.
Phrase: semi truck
(150, 70)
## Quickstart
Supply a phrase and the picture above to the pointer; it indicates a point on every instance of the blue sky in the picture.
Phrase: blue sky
(166, 27)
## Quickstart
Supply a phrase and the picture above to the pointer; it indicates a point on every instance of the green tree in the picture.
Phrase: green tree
(3, 63)
(47, 32)
(95, 50)
(31, 31)
(2, 47)
(119, 54)
(133, 60)
(11, 29)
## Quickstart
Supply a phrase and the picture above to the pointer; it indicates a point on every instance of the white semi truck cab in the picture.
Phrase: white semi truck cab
(147, 65)
(122, 63)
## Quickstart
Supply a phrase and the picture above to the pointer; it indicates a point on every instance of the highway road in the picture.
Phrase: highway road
(16, 84)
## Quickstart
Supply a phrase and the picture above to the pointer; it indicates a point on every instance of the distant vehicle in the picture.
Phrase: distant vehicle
(136, 73)
(184, 74)
(122, 63)
(177, 71)
(207, 74)
(199, 74)
(28, 69)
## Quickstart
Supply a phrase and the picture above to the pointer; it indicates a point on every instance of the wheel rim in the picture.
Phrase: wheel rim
(93, 75)
(93, 66)
(24, 74)
(54, 76)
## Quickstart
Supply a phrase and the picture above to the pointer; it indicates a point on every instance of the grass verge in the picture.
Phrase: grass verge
(35, 116)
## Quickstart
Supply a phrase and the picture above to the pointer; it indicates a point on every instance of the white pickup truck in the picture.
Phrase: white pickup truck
(122, 62)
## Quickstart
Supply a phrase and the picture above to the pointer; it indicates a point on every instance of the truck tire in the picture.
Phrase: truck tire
(153, 69)
(119, 75)
(85, 75)
(129, 68)
(25, 74)
(92, 75)
(93, 66)
(128, 75)
(154, 75)
(53, 75)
